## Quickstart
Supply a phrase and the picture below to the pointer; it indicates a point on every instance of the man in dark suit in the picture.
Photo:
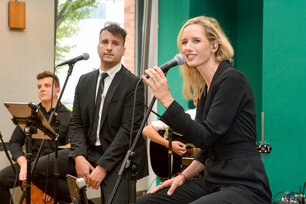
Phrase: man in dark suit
(101, 123)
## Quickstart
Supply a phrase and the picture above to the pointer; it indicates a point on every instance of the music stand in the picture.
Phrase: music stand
(35, 125)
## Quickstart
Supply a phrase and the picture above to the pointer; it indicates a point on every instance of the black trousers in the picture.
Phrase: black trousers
(7, 181)
(45, 179)
(196, 191)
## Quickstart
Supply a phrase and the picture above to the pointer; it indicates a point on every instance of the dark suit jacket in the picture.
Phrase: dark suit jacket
(115, 122)
(225, 131)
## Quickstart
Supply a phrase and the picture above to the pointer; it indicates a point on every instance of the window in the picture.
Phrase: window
(84, 39)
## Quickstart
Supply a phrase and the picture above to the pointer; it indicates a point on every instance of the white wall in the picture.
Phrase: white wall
(23, 54)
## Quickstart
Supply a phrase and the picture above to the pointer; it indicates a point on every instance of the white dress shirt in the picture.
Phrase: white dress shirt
(107, 81)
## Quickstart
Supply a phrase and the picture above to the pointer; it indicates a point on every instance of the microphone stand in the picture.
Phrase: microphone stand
(55, 123)
(29, 130)
(128, 164)
(170, 154)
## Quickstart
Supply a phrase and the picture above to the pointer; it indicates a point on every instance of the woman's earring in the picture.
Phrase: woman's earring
(214, 46)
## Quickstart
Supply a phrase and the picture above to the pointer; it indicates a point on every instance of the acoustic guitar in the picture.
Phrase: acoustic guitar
(36, 195)
(159, 157)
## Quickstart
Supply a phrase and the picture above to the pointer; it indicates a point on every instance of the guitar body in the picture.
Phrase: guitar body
(159, 161)
(36, 195)
(160, 158)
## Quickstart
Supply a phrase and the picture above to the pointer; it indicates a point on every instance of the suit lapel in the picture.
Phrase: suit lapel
(110, 93)
(211, 94)
(92, 96)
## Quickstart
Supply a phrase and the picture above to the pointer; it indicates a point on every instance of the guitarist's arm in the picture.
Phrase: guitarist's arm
(193, 169)
(151, 133)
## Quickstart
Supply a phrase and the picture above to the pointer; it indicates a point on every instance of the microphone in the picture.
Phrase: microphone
(80, 183)
(84, 56)
(179, 59)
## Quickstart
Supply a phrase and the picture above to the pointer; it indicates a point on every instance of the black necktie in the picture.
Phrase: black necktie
(98, 104)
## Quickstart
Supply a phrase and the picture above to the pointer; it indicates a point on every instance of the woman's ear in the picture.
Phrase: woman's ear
(215, 46)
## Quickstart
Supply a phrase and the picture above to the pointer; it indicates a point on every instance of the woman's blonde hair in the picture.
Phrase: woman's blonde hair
(193, 81)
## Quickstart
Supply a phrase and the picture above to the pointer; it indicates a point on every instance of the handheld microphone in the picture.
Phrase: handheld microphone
(84, 56)
(80, 183)
(179, 59)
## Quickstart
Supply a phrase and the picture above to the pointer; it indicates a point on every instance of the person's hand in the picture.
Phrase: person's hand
(179, 147)
(96, 177)
(46, 197)
(173, 183)
(23, 173)
(83, 167)
(159, 86)
(22, 162)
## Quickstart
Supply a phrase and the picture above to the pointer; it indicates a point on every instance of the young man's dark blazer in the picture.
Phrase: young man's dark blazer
(115, 122)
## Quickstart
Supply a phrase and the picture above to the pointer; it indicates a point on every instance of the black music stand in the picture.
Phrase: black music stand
(34, 125)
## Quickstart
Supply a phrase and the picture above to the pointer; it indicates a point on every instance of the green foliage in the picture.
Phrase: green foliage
(69, 14)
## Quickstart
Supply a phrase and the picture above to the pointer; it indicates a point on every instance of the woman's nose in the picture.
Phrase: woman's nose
(187, 46)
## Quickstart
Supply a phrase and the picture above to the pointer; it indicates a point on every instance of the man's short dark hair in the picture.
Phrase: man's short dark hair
(115, 29)
(46, 74)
